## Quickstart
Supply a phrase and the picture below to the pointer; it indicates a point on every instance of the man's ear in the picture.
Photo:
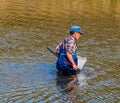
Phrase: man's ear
(75, 33)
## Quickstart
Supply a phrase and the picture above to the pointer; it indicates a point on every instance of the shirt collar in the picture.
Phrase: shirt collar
(73, 38)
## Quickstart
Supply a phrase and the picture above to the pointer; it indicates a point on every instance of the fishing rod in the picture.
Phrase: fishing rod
(52, 51)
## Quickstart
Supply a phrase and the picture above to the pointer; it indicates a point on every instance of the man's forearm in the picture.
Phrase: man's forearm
(70, 58)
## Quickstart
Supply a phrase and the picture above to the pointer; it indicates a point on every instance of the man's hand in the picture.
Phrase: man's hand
(76, 67)
(78, 70)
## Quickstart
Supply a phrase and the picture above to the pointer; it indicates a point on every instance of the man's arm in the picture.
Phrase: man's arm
(71, 60)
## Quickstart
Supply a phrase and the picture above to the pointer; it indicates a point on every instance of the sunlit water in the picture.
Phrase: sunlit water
(27, 69)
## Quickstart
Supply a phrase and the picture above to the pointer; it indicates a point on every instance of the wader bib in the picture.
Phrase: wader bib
(64, 65)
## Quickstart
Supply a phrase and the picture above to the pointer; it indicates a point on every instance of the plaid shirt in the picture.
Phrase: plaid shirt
(69, 44)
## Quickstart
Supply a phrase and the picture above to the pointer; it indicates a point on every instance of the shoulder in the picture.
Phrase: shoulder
(70, 40)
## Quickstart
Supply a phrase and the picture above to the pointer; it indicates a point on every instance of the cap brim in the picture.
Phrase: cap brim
(81, 33)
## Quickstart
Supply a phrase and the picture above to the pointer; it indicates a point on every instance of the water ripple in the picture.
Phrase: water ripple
(27, 69)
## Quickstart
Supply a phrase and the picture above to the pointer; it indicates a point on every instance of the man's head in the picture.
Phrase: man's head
(76, 31)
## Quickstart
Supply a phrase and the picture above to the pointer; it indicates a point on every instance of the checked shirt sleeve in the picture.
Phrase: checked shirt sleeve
(58, 48)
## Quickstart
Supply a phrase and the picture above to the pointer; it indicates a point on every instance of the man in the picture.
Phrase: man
(67, 60)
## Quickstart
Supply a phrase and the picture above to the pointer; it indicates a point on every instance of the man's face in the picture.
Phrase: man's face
(77, 35)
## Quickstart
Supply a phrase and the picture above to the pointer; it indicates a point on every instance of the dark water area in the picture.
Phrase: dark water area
(27, 69)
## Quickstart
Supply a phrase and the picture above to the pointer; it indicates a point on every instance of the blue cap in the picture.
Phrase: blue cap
(76, 29)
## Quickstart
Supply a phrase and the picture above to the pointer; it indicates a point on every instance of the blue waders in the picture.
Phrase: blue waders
(64, 65)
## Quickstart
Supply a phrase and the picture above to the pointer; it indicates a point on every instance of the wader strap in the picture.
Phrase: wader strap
(65, 53)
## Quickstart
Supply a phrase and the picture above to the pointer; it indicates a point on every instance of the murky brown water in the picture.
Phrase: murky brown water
(27, 68)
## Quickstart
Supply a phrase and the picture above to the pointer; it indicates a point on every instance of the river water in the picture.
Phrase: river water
(27, 69)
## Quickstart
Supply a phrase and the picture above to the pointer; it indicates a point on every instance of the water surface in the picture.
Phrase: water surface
(27, 69)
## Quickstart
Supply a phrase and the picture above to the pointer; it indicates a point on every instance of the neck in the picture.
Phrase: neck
(74, 37)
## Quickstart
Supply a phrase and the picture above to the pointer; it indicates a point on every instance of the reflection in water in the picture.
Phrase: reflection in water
(69, 86)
